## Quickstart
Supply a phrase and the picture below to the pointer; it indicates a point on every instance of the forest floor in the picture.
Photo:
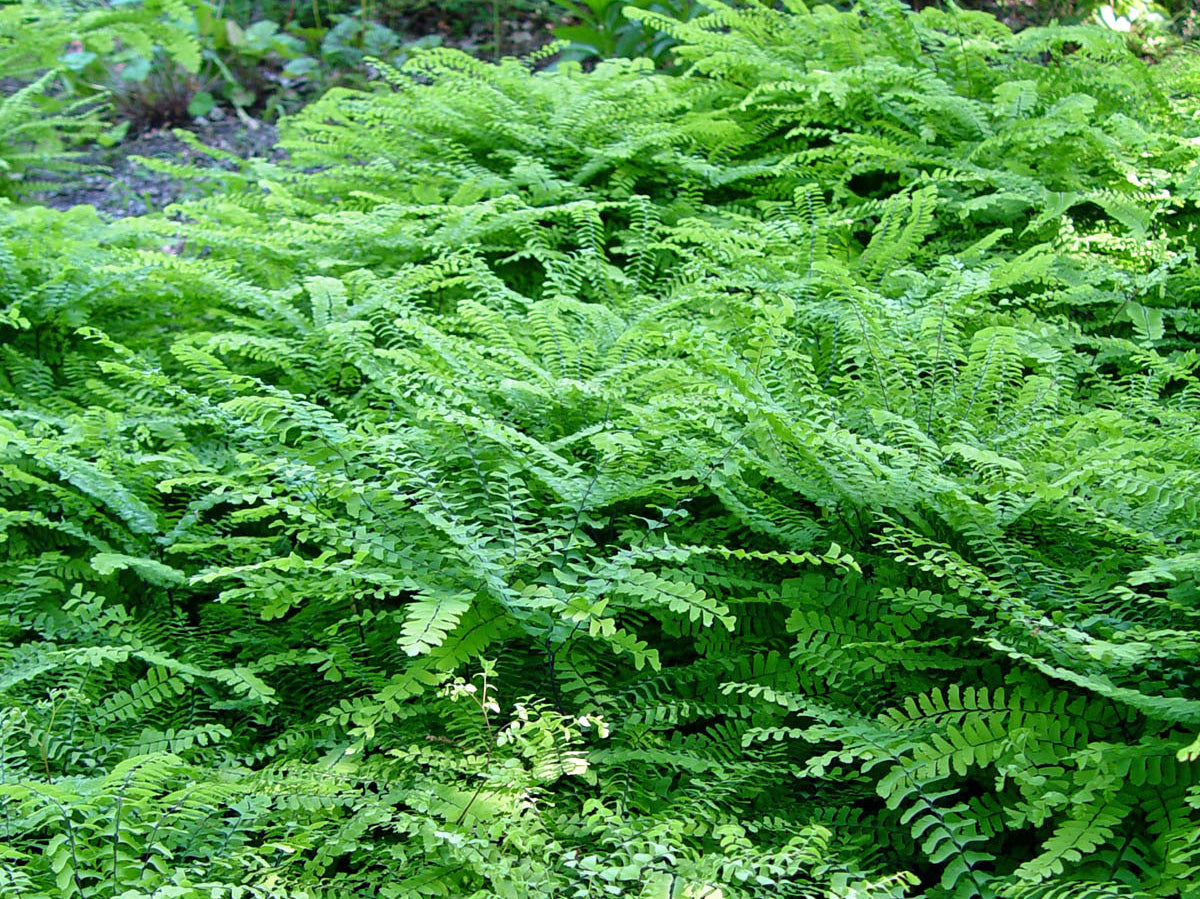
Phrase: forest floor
(121, 186)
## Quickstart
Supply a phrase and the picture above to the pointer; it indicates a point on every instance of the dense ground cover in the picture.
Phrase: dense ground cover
(774, 479)
(87, 86)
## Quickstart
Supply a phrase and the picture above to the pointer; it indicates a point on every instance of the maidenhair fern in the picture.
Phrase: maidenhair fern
(774, 479)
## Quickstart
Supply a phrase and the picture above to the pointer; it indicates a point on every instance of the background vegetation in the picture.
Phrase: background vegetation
(772, 475)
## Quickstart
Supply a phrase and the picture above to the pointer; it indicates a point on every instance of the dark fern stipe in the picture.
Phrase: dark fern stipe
(776, 479)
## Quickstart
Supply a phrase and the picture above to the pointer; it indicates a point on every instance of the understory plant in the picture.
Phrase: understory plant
(39, 136)
(51, 105)
(154, 62)
(602, 29)
(775, 479)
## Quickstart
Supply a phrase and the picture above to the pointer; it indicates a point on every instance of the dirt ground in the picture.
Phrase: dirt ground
(126, 188)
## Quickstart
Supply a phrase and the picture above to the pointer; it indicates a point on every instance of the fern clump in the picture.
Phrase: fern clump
(775, 479)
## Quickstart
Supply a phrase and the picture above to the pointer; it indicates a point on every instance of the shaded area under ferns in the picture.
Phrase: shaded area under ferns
(778, 479)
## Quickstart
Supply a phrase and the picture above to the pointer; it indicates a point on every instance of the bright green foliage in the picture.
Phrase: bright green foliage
(778, 479)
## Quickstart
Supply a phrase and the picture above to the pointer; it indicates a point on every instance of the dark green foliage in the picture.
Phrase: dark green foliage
(778, 479)
(38, 136)
(600, 28)
(134, 55)
(51, 103)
